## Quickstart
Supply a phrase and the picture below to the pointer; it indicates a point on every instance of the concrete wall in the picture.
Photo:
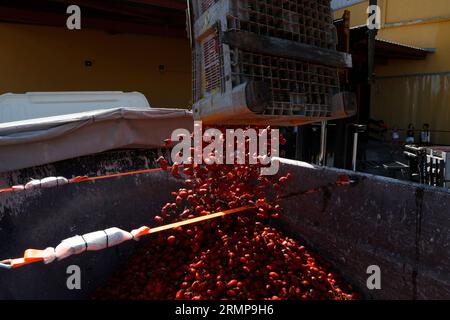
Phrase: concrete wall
(403, 228)
(38, 58)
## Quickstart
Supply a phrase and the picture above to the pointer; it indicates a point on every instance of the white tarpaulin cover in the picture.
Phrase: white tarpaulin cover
(29, 143)
(33, 105)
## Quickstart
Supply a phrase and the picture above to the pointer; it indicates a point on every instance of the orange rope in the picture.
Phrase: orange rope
(198, 219)
(86, 178)
(6, 190)
(122, 174)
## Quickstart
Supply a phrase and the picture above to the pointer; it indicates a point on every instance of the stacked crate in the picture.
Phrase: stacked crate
(294, 89)
(307, 21)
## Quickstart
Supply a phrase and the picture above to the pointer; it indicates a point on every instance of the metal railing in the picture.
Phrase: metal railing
(428, 165)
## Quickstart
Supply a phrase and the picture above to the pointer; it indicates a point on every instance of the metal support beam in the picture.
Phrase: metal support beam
(323, 144)
(15, 15)
(359, 128)
(372, 33)
(355, 150)
(286, 48)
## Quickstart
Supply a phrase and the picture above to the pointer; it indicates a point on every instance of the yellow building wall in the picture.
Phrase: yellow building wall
(414, 99)
(418, 23)
(400, 10)
(396, 11)
(412, 91)
(38, 58)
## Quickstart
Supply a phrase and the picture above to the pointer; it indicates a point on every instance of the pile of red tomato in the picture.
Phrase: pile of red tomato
(234, 257)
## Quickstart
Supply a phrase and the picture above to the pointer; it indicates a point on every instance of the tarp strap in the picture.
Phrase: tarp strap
(86, 178)
(34, 255)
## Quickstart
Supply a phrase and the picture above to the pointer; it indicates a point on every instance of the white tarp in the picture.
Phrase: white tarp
(32, 105)
(29, 143)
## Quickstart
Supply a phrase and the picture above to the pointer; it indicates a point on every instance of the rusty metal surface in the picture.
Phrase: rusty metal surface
(297, 87)
(402, 227)
(42, 218)
(303, 88)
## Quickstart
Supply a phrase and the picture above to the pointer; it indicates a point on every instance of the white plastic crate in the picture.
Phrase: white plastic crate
(240, 46)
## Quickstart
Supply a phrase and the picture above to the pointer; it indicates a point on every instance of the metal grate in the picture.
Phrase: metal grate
(298, 87)
(306, 21)
(212, 63)
(196, 88)
(206, 4)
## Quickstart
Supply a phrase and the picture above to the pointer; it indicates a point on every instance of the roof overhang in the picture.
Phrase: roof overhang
(393, 50)
(156, 17)
(385, 49)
